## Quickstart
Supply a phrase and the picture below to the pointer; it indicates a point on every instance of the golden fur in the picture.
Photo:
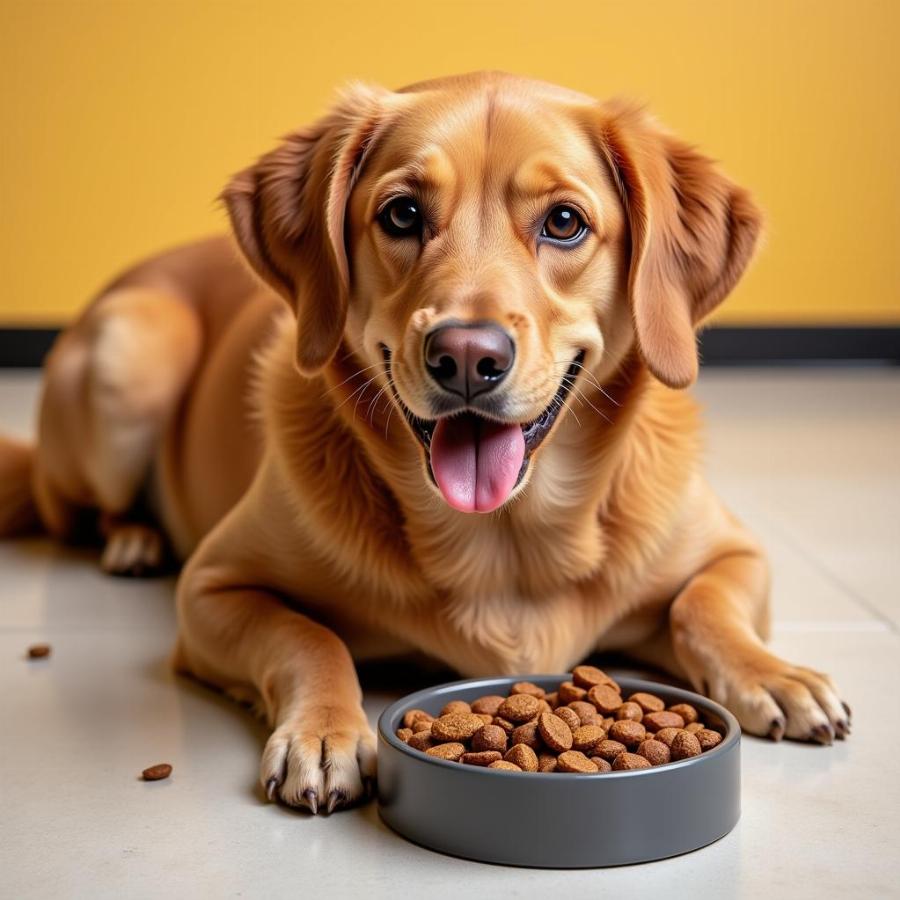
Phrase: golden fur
(313, 533)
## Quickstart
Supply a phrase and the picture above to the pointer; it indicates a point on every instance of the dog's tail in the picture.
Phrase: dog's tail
(18, 511)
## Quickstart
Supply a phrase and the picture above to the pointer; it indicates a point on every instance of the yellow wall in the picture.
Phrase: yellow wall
(120, 121)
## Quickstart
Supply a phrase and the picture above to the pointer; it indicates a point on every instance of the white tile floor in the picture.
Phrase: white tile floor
(809, 458)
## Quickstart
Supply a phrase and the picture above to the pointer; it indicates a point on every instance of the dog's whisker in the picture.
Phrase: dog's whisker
(564, 404)
(350, 378)
(372, 404)
(559, 403)
(350, 397)
(590, 375)
(577, 392)
(362, 388)
(388, 422)
(593, 380)
(564, 365)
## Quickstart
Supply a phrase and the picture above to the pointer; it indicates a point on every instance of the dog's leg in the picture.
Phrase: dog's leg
(111, 386)
(321, 753)
(717, 624)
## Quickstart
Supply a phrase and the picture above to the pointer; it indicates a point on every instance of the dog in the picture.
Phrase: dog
(429, 399)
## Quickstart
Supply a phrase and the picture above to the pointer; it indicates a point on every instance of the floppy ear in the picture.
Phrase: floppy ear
(693, 232)
(288, 211)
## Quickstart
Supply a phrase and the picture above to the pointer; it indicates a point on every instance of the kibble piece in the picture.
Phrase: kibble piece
(519, 708)
(628, 733)
(587, 737)
(452, 751)
(555, 732)
(38, 651)
(544, 706)
(630, 710)
(484, 718)
(505, 766)
(526, 734)
(606, 723)
(421, 741)
(405, 734)
(481, 758)
(157, 772)
(491, 737)
(527, 687)
(627, 761)
(456, 726)
(421, 725)
(605, 699)
(552, 699)
(588, 676)
(648, 702)
(546, 762)
(568, 692)
(569, 716)
(656, 720)
(522, 755)
(585, 711)
(666, 735)
(685, 745)
(601, 764)
(708, 739)
(410, 716)
(686, 711)
(694, 727)
(489, 704)
(456, 706)
(609, 750)
(507, 726)
(655, 752)
(575, 761)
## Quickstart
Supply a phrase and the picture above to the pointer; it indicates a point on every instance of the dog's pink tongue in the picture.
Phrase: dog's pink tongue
(476, 462)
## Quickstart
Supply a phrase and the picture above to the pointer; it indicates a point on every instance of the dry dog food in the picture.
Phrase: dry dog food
(157, 772)
(585, 726)
(38, 651)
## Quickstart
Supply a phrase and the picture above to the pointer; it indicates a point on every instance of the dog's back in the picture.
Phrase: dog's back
(144, 416)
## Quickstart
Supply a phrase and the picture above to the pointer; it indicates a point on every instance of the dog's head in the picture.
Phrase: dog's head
(486, 242)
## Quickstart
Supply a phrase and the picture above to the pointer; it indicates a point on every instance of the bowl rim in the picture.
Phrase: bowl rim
(732, 736)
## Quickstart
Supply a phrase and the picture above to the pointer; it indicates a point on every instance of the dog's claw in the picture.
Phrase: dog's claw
(312, 800)
(841, 729)
(776, 729)
(334, 798)
(848, 711)
(271, 787)
(822, 734)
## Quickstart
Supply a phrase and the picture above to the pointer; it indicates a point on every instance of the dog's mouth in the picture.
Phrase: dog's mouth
(477, 462)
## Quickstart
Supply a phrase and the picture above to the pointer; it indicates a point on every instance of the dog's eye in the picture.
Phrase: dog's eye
(401, 218)
(563, 224)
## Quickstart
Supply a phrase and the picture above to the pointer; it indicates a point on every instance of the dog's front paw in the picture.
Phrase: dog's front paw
(323, 759)
(774, 699)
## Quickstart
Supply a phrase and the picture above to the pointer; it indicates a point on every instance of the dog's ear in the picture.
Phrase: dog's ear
(693, 232)
(288, 214)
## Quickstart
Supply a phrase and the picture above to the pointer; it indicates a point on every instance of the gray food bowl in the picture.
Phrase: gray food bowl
(554, 820)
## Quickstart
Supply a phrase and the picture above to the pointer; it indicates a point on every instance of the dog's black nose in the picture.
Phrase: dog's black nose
(469, 359)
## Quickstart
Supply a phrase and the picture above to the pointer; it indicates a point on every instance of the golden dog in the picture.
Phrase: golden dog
(494, 284)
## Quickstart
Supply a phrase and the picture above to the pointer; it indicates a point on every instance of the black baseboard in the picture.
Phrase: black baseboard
(719, 345)
(25, 348)
(753, 345)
